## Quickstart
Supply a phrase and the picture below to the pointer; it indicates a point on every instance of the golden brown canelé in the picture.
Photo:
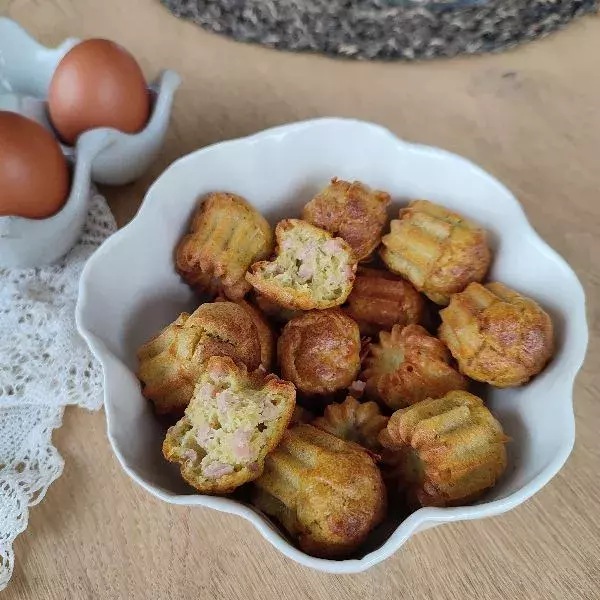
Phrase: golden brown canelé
(266, 335)
(327, 493)
(234, 419)
(170, 363)
(380, 300)
(319, 351)
(354, 421)
(226, 236)
(311, 268)
(351, 211)
(408, 365)
(448, 451)
(438, 251)
(497, 335)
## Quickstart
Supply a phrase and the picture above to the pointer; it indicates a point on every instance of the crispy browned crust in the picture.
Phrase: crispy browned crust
(289, 297)
(409, 365)
(170, 363)
(438, 251)
(319, 351)
(231, 331)
(354, 421)
(269, 384)
(165, 368)
(351, 211)
(380, 300)
(445, 451)
(327, 493)
(266, 334)
(497, 335)
(226, 236)
(301, 416)
(277, 313)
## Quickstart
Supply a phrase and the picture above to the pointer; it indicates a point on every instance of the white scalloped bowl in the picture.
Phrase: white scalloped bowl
(102, 155)
(129, 290)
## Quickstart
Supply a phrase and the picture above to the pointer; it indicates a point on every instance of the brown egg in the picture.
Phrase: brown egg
(97, 84)
(34, 177)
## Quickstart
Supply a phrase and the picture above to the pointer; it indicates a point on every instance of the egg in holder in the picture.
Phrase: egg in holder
(102, 155)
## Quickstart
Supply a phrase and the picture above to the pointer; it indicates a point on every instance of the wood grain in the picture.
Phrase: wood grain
(531, 117)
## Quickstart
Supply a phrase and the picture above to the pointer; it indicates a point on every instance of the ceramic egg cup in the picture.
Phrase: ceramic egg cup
(102, 155)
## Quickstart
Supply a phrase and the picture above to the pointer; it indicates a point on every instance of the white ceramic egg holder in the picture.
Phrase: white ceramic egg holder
(101, 155)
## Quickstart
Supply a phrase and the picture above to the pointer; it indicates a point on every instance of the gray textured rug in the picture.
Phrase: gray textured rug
(383, 29)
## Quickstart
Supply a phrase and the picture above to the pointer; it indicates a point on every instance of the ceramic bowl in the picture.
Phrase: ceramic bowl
(129, 290)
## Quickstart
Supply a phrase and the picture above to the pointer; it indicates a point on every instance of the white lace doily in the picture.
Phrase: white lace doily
(44, 365)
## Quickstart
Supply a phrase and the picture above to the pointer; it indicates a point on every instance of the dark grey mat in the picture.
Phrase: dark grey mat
(383, 29)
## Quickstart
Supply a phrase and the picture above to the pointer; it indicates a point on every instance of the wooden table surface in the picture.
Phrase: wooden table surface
(532, 118)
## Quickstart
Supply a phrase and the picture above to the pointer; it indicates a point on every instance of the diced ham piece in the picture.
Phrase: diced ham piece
(305, 271)
(358, 385)
(308, 251)
(332, 247)
(225, 400)
(240, 444)
(206, 391)
(190, 454)
(286, 244)
(349, 272)
(205, 434)
(216, 469)
(269, 411)
(357, 388)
